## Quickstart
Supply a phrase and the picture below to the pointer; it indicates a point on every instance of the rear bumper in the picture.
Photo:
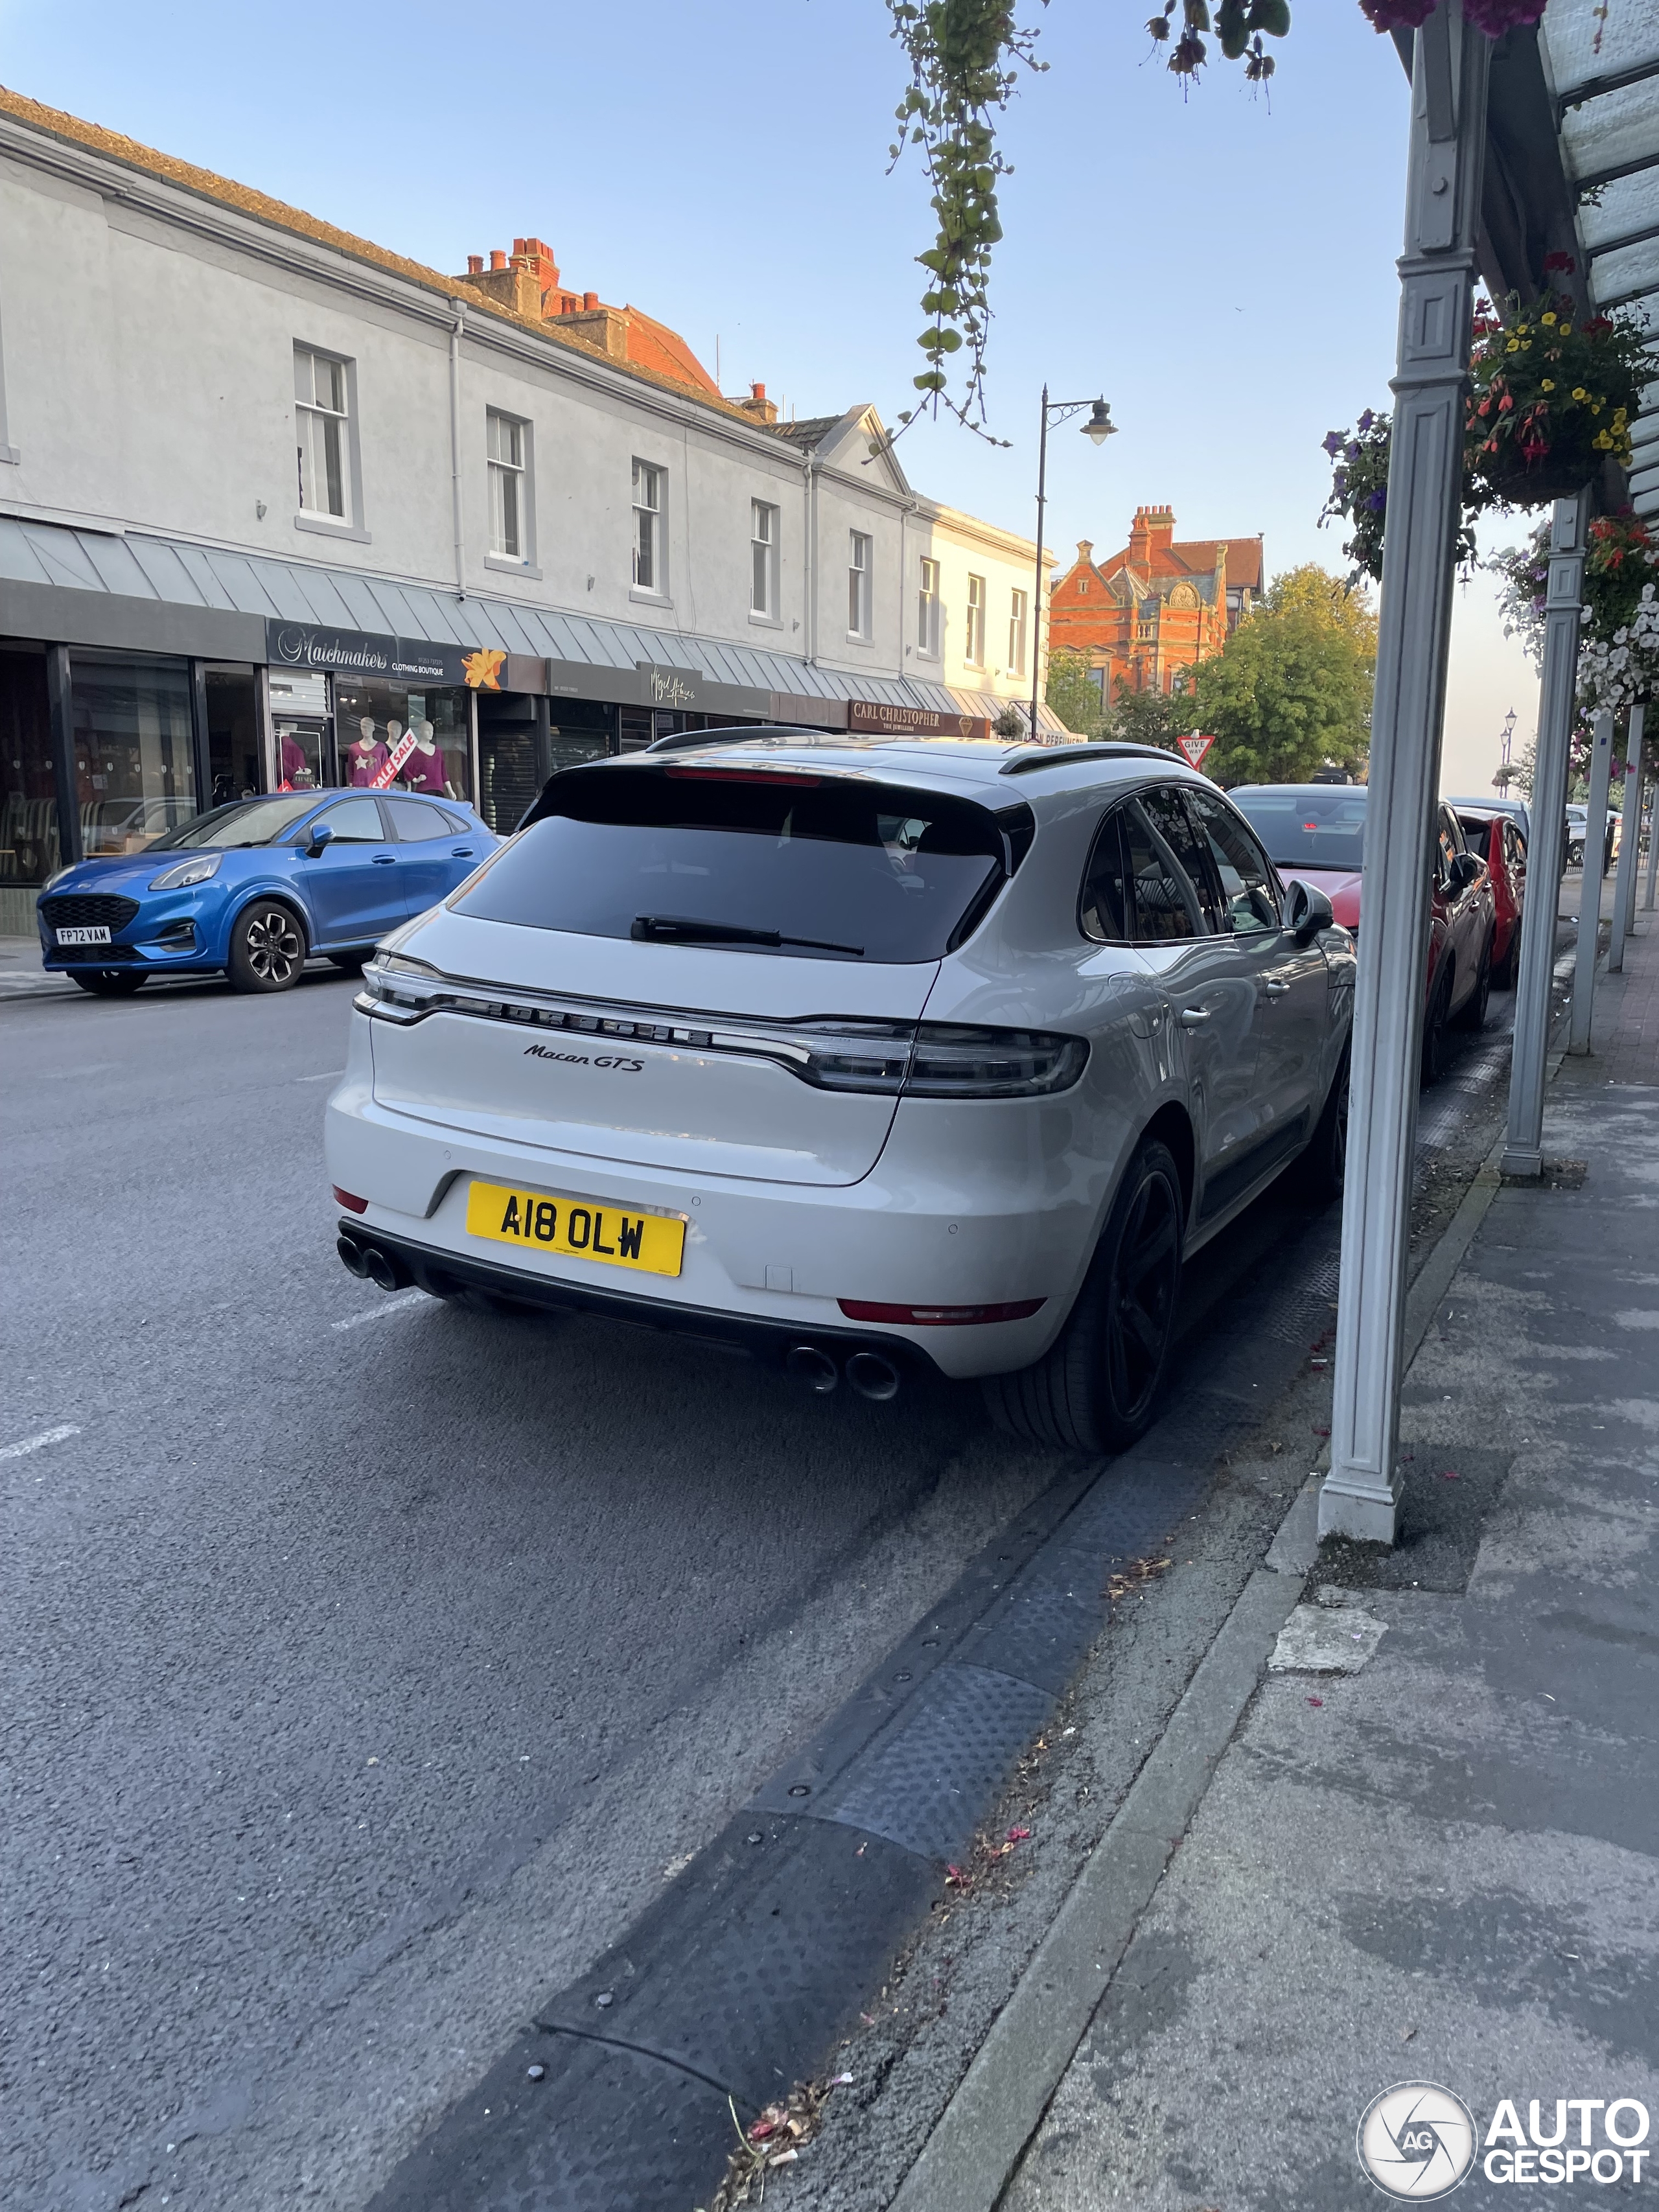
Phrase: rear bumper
(441, 1274)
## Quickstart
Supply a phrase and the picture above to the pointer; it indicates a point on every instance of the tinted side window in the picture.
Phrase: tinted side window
(414, 822)
(1447, 852)
(1106, 908)
(356, 821)
(1175, 825)
(1248, 905)
(1166, 907)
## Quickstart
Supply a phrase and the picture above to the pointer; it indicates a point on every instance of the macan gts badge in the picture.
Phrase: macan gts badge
(872, 1056)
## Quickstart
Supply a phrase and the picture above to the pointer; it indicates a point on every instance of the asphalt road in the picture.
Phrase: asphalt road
(367, 1664)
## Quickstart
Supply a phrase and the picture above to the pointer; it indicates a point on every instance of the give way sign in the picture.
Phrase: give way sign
(1195, 747)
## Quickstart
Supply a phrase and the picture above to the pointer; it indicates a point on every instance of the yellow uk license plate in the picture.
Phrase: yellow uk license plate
(577, 1228)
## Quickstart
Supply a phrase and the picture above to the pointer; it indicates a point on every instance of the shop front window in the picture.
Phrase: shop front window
(28, 803)
(135, 768)
(422, 737)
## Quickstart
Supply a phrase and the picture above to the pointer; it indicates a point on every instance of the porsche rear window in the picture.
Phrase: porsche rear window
(754, 861)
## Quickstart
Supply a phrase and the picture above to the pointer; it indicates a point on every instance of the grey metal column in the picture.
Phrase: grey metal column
(1630, 837)
(1425, 474)
(1523, 1151)
(1590, 904)
(1653, 852)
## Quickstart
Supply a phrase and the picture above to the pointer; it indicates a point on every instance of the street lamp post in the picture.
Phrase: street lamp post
(1501, 779)
(1098, 427)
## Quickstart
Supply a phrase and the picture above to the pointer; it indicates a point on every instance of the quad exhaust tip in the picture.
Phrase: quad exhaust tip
(870, 1373)
(814, 1368)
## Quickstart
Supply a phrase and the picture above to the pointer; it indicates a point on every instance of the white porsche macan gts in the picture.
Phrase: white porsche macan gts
(863, 1054)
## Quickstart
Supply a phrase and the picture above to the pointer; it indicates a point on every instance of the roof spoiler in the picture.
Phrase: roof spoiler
(1036, 757)
(735, 733)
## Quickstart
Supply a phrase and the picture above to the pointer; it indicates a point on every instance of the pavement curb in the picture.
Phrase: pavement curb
(967, 2160)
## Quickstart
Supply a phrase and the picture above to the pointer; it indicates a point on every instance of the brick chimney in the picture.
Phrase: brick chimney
(758, 406)
(1152, 532)
(1086, 552)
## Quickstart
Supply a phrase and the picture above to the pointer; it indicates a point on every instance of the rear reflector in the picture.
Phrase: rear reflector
(938, 1316)
(351, 1205)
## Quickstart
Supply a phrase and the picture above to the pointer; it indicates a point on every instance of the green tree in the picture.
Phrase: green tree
(1291, 691)
(1070, 693)
(1151, 718)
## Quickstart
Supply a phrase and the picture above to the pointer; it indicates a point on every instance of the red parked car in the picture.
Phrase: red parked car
(1495, 837)
(1317, 831)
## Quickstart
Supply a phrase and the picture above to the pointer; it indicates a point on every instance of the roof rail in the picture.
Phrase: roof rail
(1059, 756)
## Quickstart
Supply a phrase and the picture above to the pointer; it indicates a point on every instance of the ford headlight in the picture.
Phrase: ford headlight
(195, 870)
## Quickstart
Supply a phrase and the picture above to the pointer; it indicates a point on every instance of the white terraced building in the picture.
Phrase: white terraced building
(266, 488)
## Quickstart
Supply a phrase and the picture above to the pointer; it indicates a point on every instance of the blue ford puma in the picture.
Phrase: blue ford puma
(253, 890)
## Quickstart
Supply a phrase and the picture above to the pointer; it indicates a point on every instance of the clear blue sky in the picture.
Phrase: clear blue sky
(1221, 266)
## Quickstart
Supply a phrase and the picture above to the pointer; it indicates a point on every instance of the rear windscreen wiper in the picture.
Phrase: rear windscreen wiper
(684, 929)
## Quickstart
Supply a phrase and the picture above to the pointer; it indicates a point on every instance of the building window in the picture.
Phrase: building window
(510, 512)
(763, 559)
(320, 419)
(648, 564)
(927, 612)
(973, 652)
(858, 584)
(1017, 606)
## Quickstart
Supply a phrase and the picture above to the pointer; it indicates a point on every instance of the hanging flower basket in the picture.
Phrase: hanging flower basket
(1551, 399)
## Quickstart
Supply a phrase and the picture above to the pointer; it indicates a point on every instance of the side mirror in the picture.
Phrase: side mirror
(321, 835)
(1307, 911)
(1466, 870)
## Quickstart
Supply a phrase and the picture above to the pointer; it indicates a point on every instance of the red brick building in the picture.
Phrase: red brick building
(1158, 607)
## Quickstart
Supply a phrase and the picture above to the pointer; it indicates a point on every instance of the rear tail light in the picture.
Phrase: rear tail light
(913, 1060)
(352, 1204)
(938, 1316)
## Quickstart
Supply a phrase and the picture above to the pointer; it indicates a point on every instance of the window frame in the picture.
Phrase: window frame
(1019, 609)
(352, 798)
(1205, 893)
(1274, 881)
(347, 521)
(972, 643)
(929, 610)
(860, 586)
(655, 477)
(523, 475)
(765, 561)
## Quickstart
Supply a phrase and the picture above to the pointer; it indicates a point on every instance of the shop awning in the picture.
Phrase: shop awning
(79, 585)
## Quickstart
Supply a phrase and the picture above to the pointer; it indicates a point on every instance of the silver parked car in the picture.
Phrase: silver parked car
(869, 1054)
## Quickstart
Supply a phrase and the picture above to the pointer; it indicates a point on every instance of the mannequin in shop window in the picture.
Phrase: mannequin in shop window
(365, 756)
(424, 768)
(296, 773)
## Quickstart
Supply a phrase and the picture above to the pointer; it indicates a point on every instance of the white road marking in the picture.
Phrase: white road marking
(34, 1443)
(401, 1303)
(327, 1076)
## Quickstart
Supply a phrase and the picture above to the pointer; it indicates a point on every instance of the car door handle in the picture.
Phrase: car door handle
(386, 859)
(460, 852)
(1274, 988)
(1194, 1017)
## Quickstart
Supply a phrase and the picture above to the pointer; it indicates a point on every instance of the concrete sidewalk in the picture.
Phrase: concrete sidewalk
(1440, 1865)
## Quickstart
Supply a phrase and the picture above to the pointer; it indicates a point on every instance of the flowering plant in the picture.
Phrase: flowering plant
(1359, 495)
(1553, 393)
(1620, 555)
(1622, 671)
(1494, 17)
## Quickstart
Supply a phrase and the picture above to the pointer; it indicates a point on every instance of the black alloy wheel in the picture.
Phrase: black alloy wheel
(267, 948)
(1473, 1015)
(110, 982)
(1435, 1022)
(1096, 1388)
(1323, 1169)
(1505, 970)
